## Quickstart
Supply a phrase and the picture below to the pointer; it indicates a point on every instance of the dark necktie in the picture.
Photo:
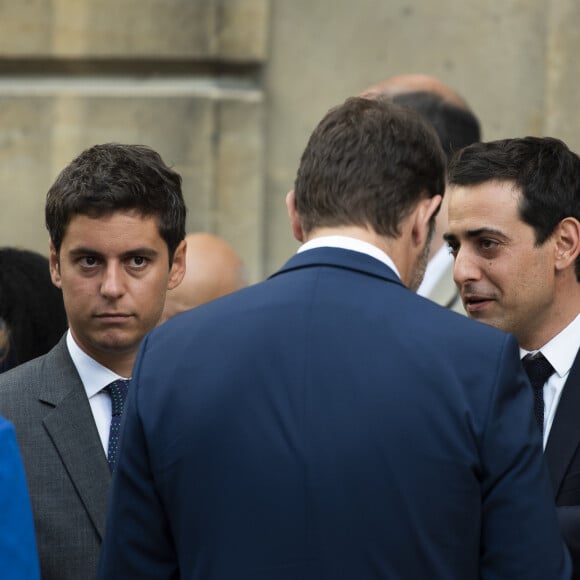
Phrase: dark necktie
(118, 393)
(539, 371)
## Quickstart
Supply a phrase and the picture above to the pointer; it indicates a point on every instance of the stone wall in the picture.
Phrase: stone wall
(229, 90)
(178, 75)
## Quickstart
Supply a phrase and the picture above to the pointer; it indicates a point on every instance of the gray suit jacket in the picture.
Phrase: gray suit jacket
(66, 467)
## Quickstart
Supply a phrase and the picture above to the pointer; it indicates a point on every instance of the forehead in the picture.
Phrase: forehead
(492, 204)
(116, 231)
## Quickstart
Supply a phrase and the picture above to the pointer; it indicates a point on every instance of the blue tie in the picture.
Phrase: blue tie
(118, 393)
(539, 370)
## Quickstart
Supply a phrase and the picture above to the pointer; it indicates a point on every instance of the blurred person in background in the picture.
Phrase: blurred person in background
(213, 270)
(31, 306)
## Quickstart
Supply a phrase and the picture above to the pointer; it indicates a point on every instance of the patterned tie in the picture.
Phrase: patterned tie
(539, 370)
(118, 393)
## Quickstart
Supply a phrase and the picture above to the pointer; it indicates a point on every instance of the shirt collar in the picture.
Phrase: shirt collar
(94, 375)
(561, 350)
(348, 243)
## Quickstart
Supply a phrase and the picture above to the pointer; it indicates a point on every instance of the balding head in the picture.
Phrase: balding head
(416, 83)
(213, 270)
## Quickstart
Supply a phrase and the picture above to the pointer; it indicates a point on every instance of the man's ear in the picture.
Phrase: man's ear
(294, 218)
(425, 210)
(567, 243)
(54, 265)
(177, 271)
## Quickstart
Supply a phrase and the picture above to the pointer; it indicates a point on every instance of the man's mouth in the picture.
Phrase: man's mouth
(476, 303)
(113, 316)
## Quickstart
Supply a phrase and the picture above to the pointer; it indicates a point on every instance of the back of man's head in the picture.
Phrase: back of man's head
(448, 112)
(368, 163)
(213, 270)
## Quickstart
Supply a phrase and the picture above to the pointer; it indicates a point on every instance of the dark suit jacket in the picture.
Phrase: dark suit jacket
(65, 464)
(563, 459)
(330, 424)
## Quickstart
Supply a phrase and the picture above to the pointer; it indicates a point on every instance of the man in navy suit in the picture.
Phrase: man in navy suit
(514, 229)
(328, 422)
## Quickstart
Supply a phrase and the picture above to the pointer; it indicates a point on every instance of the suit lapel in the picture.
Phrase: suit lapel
(565, 432)
(72, 429)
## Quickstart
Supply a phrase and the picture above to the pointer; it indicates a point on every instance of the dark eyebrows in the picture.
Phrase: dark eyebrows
(449, 237)
(144, 252)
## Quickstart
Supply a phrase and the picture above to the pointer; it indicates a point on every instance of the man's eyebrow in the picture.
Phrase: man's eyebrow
(449, 237)
(146, 252)
(86, 251)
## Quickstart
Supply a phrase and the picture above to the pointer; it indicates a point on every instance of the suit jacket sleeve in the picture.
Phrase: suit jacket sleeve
(138, 542)
(18, 556)
(519, 516)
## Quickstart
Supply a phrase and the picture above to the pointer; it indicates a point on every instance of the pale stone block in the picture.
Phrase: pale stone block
(214, 147)
(563, 71)
(134, 29)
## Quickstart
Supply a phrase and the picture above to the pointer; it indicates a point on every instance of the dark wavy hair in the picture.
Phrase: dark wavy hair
(368, 163)
(111, 177)
(543, 169)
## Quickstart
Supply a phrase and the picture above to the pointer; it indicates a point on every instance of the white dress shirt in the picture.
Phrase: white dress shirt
(95, 378)
(560, 352)
(348, 243)
(436, 267)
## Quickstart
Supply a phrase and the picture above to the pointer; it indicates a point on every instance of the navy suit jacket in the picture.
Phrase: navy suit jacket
(563, 459)
(326, 424)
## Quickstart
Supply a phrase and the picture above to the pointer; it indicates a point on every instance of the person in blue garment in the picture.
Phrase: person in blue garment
(18, 556)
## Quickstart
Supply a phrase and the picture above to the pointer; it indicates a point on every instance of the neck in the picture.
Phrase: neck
(553, 320)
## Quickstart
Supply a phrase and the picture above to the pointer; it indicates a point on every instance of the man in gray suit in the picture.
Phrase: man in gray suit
(116, 219)
(456, 126)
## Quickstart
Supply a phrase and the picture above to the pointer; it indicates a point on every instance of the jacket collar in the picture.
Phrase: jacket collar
(340, 258)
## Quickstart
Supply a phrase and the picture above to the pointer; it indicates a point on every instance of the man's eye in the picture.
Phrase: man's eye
(488, 244)
(138, 261)
(88, 261)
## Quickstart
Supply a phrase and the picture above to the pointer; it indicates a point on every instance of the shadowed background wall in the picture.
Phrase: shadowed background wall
(228, 91)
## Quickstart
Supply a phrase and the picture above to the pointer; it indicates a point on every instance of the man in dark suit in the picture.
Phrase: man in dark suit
(514, 229)
(328, 422)
(116, 220)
